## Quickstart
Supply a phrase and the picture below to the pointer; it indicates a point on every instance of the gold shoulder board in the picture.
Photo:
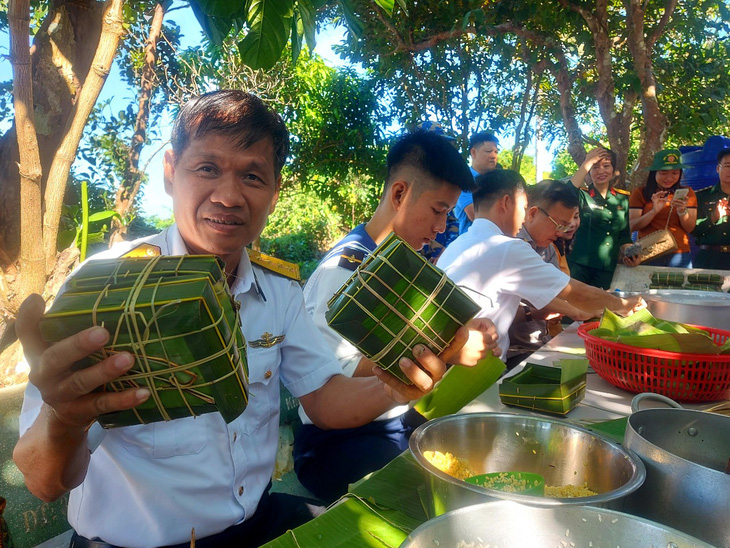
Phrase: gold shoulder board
(283, 268)
(143, 250)
(622, 191)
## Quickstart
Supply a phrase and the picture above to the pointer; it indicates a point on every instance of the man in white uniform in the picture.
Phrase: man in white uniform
(150, 485)
(425, 176)
(498, 270)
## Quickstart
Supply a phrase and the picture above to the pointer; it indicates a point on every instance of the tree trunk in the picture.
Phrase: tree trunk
(29, 166)
(576, 149)
(111, 31)
(62, 52)
(128, 189)
(655, 123)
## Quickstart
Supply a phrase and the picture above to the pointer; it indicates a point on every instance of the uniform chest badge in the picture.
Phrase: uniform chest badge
(267, 340)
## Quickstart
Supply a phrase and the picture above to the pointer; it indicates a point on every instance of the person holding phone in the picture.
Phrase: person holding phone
(661, 203)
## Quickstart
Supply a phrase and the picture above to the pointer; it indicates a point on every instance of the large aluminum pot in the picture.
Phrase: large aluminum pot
(510, 525)
(707, 308)
(503, 442)
(686, 454)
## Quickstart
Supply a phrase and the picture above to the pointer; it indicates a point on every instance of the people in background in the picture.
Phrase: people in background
(712, 232)
(658, 205)
(483, 152)
(604, 221)
(425, 176)
(499, 270)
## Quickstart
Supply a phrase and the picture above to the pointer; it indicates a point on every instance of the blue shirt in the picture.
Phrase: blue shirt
(459, 209)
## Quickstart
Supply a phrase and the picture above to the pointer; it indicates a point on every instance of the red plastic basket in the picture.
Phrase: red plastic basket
(682, 377)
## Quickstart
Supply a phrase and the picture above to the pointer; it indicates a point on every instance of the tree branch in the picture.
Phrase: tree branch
(662, 25)
(58, 174)
(32, 264)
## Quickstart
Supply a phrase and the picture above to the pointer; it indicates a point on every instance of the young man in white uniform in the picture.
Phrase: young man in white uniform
(150, 485)
(498, 270)
(425, 175)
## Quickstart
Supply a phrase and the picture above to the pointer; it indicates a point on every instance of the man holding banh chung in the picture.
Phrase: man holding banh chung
(425, 175)
(499, 270)
(151, 484)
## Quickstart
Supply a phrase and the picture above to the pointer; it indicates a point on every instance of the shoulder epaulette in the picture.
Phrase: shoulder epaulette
(143, 250)
(706, 188)
(351, 258)
(622, 191)
(283, 268)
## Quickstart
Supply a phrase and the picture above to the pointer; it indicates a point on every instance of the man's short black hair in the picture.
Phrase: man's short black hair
(492, 185)
(482, 137)
(242, 116)
(547, 193)
(432, 154)
(720, 155)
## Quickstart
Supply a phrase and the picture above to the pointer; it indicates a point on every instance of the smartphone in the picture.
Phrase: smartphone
(681, 193)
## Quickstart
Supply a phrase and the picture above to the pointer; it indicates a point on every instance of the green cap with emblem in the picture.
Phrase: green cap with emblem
(669, 158)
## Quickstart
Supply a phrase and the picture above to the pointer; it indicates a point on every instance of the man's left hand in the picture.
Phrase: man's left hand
(425, 374)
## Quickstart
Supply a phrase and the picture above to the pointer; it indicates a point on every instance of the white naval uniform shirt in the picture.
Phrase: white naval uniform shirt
(498, 271)
(149, 485)
(327, 278)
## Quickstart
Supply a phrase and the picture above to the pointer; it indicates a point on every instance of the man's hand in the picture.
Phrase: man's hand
(631, 305)
(483, 338)
(70, 394)
(425, 377)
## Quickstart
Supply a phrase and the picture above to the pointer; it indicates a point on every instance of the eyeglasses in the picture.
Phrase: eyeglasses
(560, 228)
(724, 166)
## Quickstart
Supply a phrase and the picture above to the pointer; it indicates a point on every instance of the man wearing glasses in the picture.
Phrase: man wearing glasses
(499, 270)
(552, 209)
(712, 231)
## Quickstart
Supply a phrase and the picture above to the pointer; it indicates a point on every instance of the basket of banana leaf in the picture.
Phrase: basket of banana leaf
(641, 353)
(395, 300)
(176, 316)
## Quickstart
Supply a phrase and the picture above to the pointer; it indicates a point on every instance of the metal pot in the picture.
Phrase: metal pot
(511, 525)
(686, 454)
(706, 308)
(503, 442)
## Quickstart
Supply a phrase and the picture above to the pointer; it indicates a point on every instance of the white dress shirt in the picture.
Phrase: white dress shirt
(149, 485)
(498, 271)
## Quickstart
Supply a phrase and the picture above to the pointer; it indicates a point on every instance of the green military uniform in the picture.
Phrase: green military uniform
(604, 228)
(713, 239)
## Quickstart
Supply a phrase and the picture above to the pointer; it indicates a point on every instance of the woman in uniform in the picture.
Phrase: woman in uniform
(604, 221)
(661, 203)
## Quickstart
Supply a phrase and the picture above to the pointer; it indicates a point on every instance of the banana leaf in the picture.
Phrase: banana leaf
(459, 386)
(188, 347)
(705, 278)
(703, 287)
(672, 279)
(396, 300)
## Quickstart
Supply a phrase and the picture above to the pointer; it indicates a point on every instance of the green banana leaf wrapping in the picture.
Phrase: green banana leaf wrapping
(556, 389)
(705, 278)
(703, 287)
(673, 279)
(396, 300)
(180, 324)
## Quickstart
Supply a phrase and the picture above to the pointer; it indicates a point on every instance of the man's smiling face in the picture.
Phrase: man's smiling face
(222, 194)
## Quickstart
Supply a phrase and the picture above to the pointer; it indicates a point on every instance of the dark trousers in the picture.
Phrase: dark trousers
(590, 276)
(327, 461)
(275, 515)
(712, 259)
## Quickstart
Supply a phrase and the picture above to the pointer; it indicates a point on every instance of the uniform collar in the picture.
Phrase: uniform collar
(593, 192)
(245, 277)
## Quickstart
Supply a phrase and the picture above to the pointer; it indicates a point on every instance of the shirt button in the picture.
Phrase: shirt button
(267, 375)
(240, 491)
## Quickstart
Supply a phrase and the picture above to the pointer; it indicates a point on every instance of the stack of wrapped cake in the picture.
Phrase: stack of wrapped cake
(176, 316)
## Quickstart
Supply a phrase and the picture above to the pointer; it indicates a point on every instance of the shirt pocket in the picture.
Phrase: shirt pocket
(263, 388)
(159, 440)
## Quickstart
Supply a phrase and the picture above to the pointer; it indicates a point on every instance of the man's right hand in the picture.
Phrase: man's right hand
(68, 392)
(631, 305)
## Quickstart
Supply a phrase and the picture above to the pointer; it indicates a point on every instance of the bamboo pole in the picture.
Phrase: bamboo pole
(111, 32)
(32, 267)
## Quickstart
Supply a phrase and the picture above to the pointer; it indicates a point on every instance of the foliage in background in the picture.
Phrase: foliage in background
(302, 228)
(527, 167)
